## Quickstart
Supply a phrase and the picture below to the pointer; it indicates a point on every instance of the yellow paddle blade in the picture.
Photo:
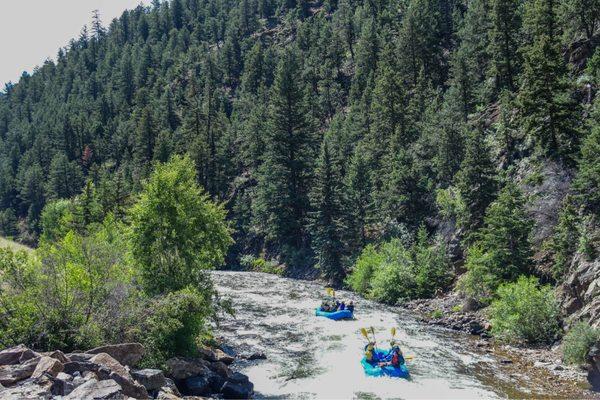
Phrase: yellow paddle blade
(409, 357)
(393, 331)
(364, 333)
(372, 330)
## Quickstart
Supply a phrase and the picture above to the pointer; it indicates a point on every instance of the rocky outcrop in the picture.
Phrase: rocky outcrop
(98, 375)
(126, 353)
(579, 292)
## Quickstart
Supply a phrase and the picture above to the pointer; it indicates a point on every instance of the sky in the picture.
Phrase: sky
(33, 30)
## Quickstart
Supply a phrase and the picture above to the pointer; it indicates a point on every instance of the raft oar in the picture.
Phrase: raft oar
(373, 333)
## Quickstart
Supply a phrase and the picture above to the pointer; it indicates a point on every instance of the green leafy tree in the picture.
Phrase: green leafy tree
(176, 231)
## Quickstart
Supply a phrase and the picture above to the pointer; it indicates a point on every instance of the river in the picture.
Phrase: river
(311, 357)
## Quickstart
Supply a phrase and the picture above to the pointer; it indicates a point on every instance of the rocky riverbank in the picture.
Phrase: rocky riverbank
(109, 372)
(543, 363)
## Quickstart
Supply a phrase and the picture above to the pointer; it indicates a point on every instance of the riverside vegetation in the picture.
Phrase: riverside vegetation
(404, 147)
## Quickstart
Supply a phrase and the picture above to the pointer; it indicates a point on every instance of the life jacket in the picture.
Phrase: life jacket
(369, 353)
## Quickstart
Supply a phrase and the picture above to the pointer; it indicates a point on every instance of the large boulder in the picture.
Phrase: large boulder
(197, 386)
(13, 373)
(97, 390)
(16, 355)
(593, 367)
(57, 354)
(29, 389)
(152, 379)
(238, 386)
(121, 375)
(125, 353)
(180, 368)
(47, 365)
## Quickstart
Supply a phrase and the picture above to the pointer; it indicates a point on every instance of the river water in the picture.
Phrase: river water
(311, 357)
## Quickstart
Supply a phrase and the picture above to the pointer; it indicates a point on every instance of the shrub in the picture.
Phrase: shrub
(393, 271)
(395, 278)
(578, 341)
(172, 325)
(478, 283)
(524, 311)
(362, 273)
(61, 297)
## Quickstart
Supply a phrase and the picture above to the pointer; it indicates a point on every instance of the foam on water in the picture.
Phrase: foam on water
(310, 357)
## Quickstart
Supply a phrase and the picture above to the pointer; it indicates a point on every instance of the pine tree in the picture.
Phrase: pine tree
(64, 178)
(357, 188)
(283, 179)
(506, 234)
(564, 242)
(326, 218)
(476, 181)
(549, 113)
(504, 43)
(587, 181)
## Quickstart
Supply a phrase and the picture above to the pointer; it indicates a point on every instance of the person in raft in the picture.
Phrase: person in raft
(342, 306)
(370, 355)
(395, 357)
(350, 306)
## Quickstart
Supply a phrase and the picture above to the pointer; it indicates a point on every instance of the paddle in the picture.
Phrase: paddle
(373, 333)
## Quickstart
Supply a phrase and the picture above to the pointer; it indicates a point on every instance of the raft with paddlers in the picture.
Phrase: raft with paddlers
(335, 315)
(333, 309)
(383, 362)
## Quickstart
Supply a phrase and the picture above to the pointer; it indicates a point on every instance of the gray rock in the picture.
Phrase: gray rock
(220, 369)
(16, 355)
(47, 365)
(28, 389)
(80, 366)
(152, 379)
(13, 373)
(58, 355)
(125, 353)
(223, 357)
(64, 377)
(197, 386)
(180, 368)
(79, 357)
(256, 356)
(238, 386)
(119, 374)
(97, 390)
(62, 387)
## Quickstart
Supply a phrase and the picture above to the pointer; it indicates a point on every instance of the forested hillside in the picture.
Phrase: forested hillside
(325, 127)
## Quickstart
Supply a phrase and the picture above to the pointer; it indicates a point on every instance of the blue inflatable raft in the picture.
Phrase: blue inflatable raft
(388, 370)
(336, 315)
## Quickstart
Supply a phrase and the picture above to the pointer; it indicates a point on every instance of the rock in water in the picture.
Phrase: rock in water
(125, 353)
(97, 390)
(152, 379)
(238, 386)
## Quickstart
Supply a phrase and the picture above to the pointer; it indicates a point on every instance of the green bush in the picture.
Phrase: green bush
(478, 283)
(172, 325)
(578, 341)
(524, 311)
(362, 273)
(393, 272)
(394, 279)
